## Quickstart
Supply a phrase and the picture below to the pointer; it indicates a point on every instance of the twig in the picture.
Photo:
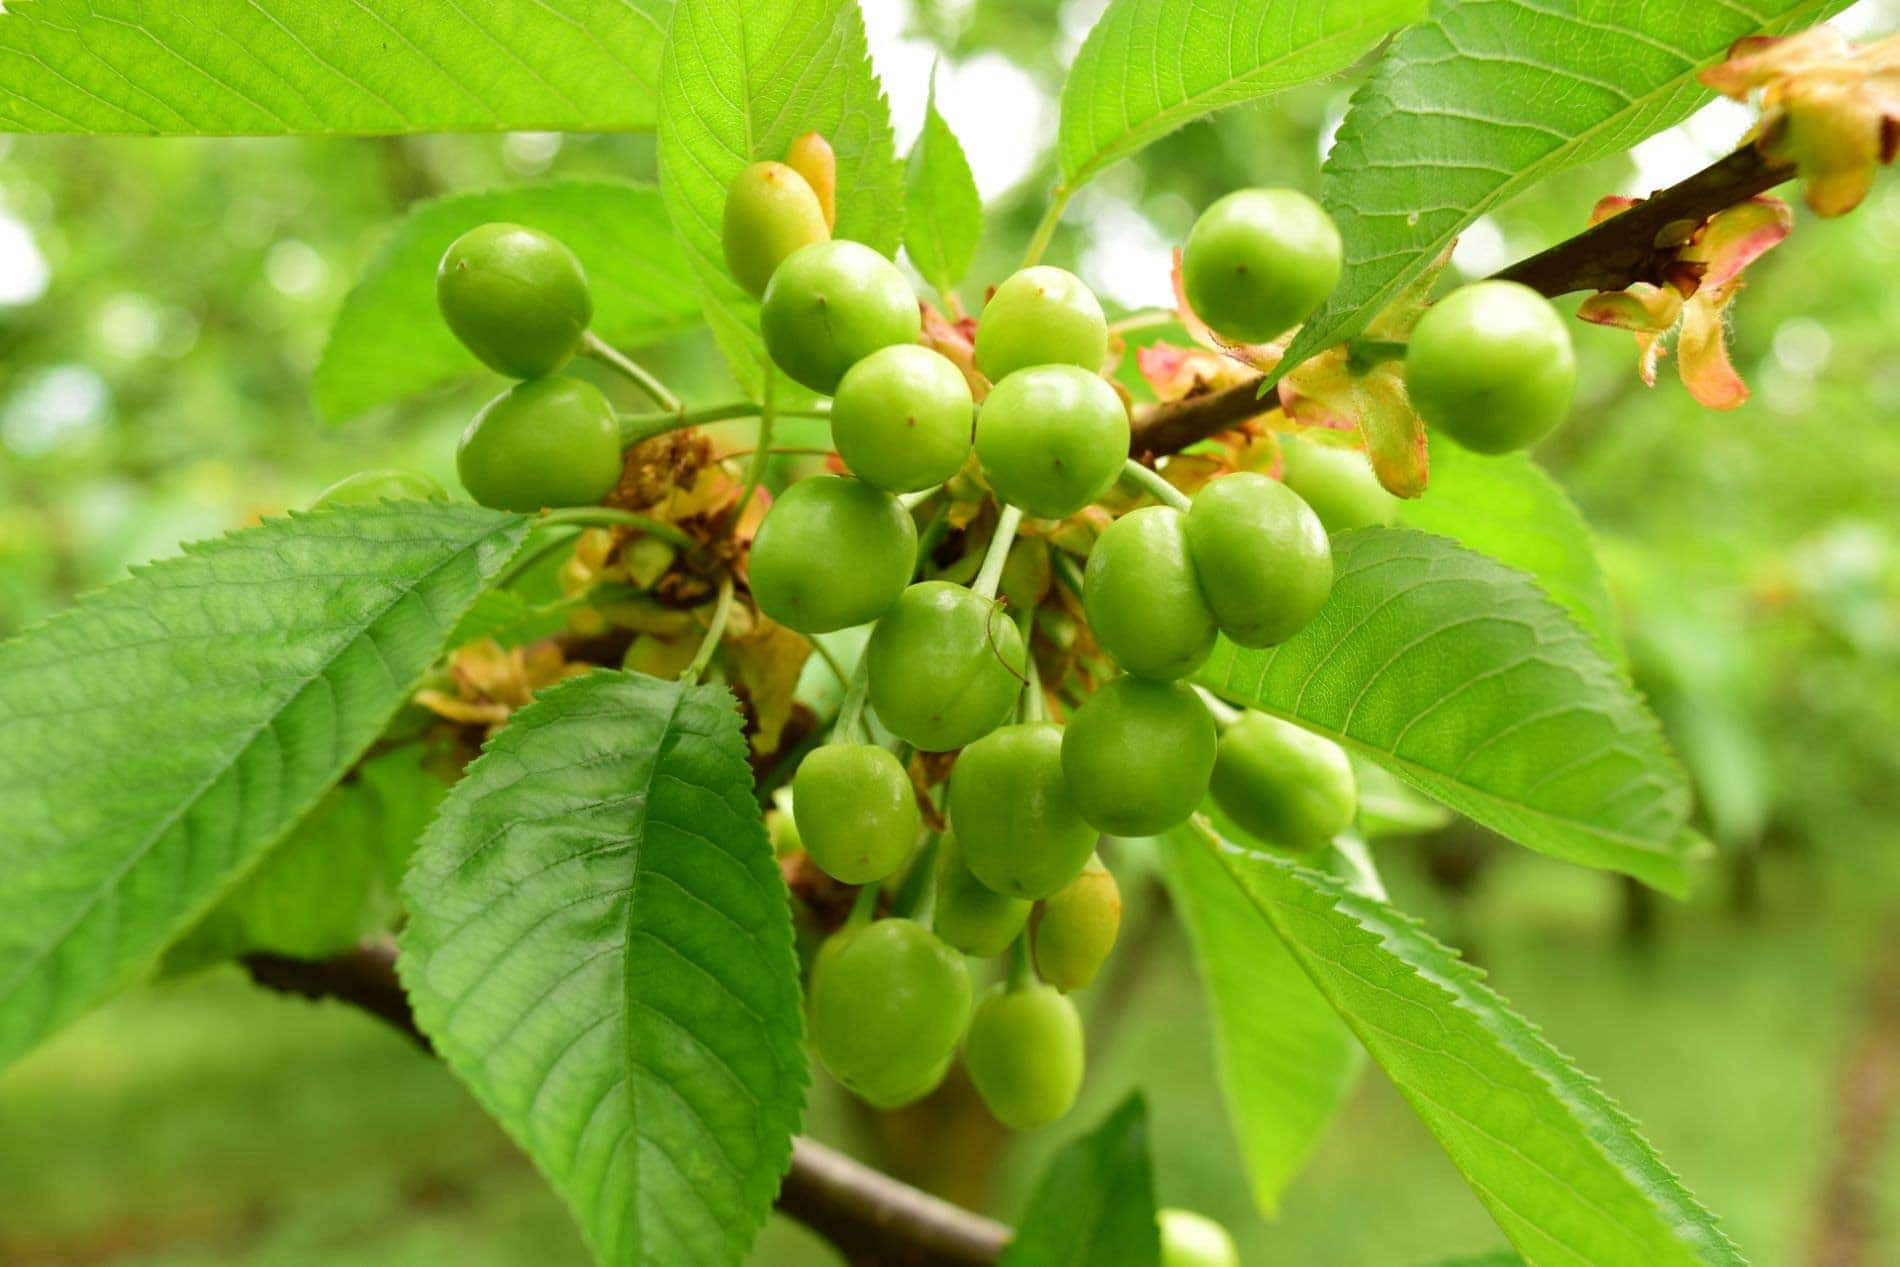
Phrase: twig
(1608, 256)
(869, 1216)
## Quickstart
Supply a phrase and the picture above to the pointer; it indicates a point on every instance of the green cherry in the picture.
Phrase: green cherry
(1258, 262)
(771, 211)
(1337, 483)
(383, 484)
(832, 304)
(1041, 316)
(855, 811)
(903, 417)
(970, 916)
(1266, 554)
(1194, 1240)
(887, 1003)
(1021, 830)
(516, 297)
(1076, 928)
(1143, 596)
(546, 442)
(832, 552)
(1052, 439)
(1138, 755)
(946, 666)
(1025, 1055)
(1491, 366)
(1287, 786)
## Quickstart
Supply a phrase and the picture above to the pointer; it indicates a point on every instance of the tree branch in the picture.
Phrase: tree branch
(870, 1217)
(1626, 248)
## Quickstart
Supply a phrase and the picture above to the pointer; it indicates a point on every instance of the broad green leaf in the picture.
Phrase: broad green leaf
(1503, 1258)
(332, 881)
(1095, 1205)
(1150, 66)
(1286, 1060)
(1458, 674)
(389, 341)
(158, 738)
(1509, 508)
(739, 83)
(236, 67)
(943, 213)
(1491, 96)
(601, 947)
(1561, 1168)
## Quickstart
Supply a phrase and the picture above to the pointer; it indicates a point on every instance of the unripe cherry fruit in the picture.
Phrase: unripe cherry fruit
(903, 418)
(832, 304)
(967, 914)
(812, 157)
(1138, 755)
(516, 297)
(1194, 1240)
(1491, 366)
(1041, 316)
(887, 1003)
(382, 484)
(855, 810)
(832, 552)
(1258, 262)
(1338, 483)
(1052, 439)
(1076, 927)
(1287, 786)
(1025, 1055)
(771, 211)
(1143, 596)
(946, 666)
(546, 442)
(1267, 554)
(1022, 832)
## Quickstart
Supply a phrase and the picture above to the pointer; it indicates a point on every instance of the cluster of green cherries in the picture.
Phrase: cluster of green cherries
(947, 667)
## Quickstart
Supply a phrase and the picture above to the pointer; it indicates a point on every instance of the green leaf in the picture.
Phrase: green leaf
(1095, 1205)
(389, 341)
(1488, 98)
(1458, 675)
(1502, 1258)
(1286, 1060)
(1150, 66)
(1509, 508)
(741, 82)
(235, 67)
(943, 213)
(158, 738)
(601, 947)
(332, 881)
(1562, 1169)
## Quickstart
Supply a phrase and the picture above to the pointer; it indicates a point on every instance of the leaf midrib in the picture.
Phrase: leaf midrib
(145, 846)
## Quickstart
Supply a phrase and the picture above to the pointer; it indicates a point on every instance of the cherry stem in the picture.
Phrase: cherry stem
(613, 517)
(849, 726)
(1046, 229)
(722, 612)
(911, 501)
(1035, 707)
(864, 907)
(1151, 480)
(637, 427)
(916, 885)
(1021, 976)
(1149, 319)
(642, 377)
(1224, 716)
(831, 662)
(990, 575)
(755, 469)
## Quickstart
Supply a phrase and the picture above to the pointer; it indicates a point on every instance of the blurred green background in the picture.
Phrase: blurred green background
(163, 302)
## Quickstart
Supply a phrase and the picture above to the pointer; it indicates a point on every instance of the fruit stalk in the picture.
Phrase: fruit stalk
(643, 378)
(990, 575)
